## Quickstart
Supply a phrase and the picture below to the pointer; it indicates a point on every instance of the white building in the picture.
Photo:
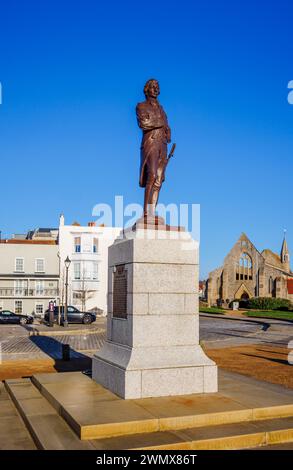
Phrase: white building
(29, 272)
(87, 249)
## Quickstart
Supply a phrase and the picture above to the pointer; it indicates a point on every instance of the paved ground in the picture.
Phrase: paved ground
(222, 332)
(214, 333)
(252, 347)
(17, 343)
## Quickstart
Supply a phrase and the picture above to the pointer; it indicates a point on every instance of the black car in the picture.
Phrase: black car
(9, 318)
(73, 315)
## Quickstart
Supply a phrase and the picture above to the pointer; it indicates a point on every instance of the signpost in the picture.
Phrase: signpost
(51, 313)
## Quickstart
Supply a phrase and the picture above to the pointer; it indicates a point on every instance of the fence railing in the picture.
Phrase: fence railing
(19, 292)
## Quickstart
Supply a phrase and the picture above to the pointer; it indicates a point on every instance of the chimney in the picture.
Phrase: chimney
(91, 224)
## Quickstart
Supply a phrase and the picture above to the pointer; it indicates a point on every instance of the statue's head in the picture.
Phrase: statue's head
(152, 88)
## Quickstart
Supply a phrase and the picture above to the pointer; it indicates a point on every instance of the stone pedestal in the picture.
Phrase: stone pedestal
(152, 346)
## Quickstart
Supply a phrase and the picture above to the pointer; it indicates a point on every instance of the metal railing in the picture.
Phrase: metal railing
(19, 292)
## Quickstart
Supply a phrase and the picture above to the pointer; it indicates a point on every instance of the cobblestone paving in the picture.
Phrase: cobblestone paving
(38, 346)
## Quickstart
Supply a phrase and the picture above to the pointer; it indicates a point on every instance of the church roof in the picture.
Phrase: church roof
(272, 257)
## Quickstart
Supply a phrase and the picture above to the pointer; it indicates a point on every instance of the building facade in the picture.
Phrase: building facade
(248, 273)
(87, 249)
(29, 273)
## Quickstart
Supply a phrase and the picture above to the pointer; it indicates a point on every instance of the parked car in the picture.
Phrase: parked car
(9, 318)
(73, 315)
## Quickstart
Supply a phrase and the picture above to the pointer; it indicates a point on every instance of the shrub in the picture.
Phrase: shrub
(269, 303)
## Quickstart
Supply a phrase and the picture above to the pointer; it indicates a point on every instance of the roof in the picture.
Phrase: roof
(19, 241)
(274, 256)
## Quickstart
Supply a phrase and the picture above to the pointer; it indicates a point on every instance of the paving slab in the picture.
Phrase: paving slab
(67, 377)
(46, 427)
(7, 409)
(61, 396)
(23, 390)
(14, 435)
(194, 410)
(222, 437)
(109, 418)
(170, 440)
(255, 394)
(52, 433)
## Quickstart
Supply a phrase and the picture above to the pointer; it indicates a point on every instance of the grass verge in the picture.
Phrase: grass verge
(212, 310)
(274, 314)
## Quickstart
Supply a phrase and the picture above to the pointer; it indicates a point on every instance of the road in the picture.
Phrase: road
(222, 332)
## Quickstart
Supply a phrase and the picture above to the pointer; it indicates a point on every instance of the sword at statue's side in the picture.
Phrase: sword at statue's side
(171, 152)
(169, 156)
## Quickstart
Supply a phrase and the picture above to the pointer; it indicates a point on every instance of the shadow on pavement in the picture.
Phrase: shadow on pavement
(53, 348)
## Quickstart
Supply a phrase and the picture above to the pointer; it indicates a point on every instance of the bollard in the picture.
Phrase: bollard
(65, 352)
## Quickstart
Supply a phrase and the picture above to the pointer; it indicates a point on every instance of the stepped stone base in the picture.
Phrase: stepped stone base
(71, 411)
(152, 346)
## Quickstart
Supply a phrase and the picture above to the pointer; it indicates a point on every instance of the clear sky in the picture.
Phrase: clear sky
(72, 73)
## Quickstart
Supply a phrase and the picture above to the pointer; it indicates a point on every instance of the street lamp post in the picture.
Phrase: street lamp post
(67, 264)
(59, 289)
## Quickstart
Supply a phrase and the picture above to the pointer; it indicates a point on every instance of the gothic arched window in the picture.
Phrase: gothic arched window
(271, 284)
(244, 268)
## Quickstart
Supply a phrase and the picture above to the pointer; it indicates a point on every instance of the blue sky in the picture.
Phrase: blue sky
(72, 73)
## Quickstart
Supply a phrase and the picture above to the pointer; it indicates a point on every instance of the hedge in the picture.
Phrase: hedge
(269, 303)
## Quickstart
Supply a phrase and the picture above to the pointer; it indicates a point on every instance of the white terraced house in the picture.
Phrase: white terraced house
(87, 249)
(29, 272)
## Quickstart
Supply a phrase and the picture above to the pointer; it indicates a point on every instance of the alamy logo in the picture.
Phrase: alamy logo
(290, 95)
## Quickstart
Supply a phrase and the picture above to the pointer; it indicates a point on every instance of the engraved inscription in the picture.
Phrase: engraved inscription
(120, 292)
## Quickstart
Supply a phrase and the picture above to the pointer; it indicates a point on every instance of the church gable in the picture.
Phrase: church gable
(243, 254)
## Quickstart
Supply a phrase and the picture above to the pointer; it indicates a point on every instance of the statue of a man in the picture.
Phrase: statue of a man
(153, 121)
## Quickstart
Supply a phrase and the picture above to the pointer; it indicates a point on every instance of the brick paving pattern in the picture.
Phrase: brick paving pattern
(51, 345)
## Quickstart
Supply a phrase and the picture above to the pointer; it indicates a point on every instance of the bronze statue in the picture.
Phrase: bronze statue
(153, 121)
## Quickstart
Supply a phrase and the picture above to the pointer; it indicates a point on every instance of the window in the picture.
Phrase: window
(39, 265)
(77, 244)
(272, 286)
(87, 271)
(39, 309)
(71, 310)
(18, 306)
(95, 245)
(244, 268)
(76, 271)
(39, 288)
(19, 287)
(19, 265)
(95, 270)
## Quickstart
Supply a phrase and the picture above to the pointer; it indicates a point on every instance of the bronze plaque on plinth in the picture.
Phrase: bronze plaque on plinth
(120, 292)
